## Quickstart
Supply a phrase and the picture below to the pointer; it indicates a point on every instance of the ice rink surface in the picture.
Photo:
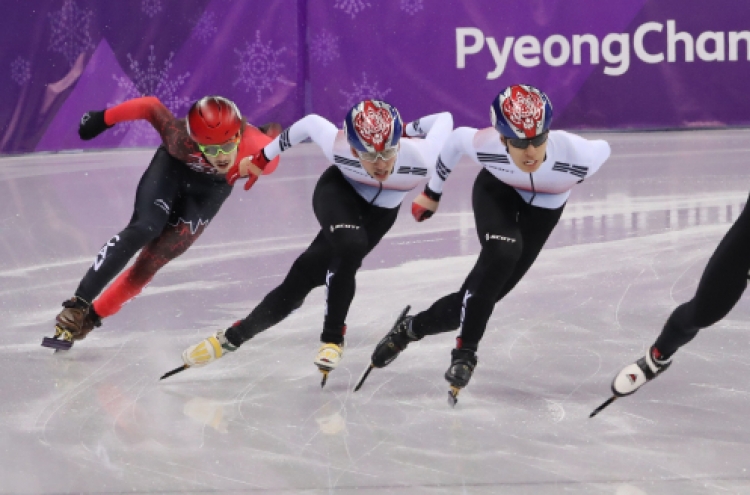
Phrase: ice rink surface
(631, 245)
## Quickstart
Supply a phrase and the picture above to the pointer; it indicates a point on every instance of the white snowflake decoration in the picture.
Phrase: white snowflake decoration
(20, 70)
(70, 31)
(351, 7)
(151, 7)
(324, 48)
(259, 66)
(150, 82)
(411, 7)
(364, 91)
(205, 29)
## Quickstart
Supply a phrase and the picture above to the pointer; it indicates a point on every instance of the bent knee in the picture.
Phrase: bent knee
(144, 232)
(502, 253)
(350, 245)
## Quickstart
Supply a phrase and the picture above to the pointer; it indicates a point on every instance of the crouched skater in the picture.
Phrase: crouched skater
(518, 197)
(356, 201)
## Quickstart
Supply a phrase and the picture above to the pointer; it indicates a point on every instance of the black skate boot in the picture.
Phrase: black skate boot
(73, 323)
(634, 376)
(395, 341)
(391, 345)
(459, 373)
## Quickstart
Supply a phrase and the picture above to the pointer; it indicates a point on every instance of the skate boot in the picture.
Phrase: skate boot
(329, 356)
(634, 376)
(459, 373)
(207, 350)
(391, 345)
(73, 323)
(394, 342)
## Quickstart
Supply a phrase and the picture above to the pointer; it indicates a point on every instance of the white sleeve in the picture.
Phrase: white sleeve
(599, 152)
(436, 126)
(436, 129)
(591, 153)
(321, 131)
(459, 143)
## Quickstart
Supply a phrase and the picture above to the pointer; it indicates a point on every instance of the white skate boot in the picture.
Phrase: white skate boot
(634, 376)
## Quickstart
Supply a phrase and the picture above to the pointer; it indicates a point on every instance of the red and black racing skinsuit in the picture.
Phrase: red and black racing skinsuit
(177, 196)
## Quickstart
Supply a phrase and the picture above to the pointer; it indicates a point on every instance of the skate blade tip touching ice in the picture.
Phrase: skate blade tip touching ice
(174, 371)
(453, 396)
(62, 341)
(325, 376)
(324, 370)
(57, 344)
(364, 377)
(604, 404)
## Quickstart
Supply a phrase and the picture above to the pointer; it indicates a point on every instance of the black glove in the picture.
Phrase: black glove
(92, 124)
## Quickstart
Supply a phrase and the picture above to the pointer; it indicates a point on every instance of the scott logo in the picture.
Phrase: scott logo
(344, 226)
(498, 237)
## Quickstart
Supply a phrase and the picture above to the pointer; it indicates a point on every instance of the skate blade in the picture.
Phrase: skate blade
(174, 371)
(325, 370)
(364, 377)
(604, 404)
(57, 344)
(325, 376)
(453, 396)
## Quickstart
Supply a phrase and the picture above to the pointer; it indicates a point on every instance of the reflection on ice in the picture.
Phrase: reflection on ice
(631, 245)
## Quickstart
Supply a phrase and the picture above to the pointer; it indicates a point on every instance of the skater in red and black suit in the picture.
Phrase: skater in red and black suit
(178, 195)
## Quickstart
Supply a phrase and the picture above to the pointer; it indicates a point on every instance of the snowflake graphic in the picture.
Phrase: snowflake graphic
(259, 66)
(205, 29)
(150, 82)
(324, 48)
(363, 91)
(20, 70)
(351, 7)
(151, 7)
(70, 31)
(411, 7)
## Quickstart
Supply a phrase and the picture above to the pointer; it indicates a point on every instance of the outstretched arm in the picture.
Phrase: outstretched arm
(319, 130)
(437, 127)
(458, 143)
(148, 108)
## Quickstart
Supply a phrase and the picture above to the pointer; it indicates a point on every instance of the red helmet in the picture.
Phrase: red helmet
(213, 120)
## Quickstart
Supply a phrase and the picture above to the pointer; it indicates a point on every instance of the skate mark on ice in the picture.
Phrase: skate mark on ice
(77, 390)
(622, 298)
(731, 391)
(191, 480)
(690, 265)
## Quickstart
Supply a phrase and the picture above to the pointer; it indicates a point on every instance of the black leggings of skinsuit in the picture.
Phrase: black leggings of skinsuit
(511, 233)
(720, 287)
(350, 228)
(173, 204)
